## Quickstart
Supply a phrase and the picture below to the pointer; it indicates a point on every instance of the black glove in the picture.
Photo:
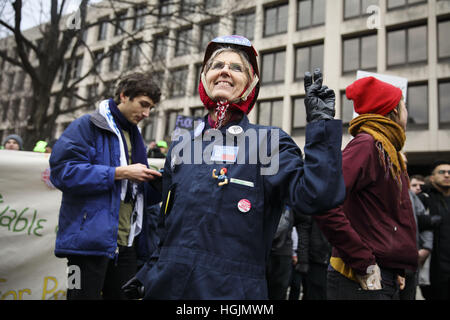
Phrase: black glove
(302, 268)
(319, 100)
(133, 289)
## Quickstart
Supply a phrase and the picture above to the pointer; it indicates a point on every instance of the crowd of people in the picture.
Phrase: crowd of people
(320, 224)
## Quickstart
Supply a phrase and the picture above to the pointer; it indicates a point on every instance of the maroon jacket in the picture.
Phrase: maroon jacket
(375, 224)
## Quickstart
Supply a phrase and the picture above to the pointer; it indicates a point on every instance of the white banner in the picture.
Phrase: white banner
(29, 207)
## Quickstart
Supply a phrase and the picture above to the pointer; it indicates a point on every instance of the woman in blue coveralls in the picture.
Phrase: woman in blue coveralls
(215, 237)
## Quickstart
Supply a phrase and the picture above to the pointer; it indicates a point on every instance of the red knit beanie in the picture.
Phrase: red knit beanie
(371, 95)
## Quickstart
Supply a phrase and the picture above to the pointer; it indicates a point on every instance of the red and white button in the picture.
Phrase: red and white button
(244, 205)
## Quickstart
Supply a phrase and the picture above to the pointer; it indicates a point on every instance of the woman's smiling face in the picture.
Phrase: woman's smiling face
(227, 76)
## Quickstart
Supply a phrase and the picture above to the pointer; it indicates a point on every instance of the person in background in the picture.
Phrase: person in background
(279, 266)
(436, 199)
(154, 151)
(416, 182)
(162, 145)
(313, 256)
(424, 242)
(373, 233)
(13, 142)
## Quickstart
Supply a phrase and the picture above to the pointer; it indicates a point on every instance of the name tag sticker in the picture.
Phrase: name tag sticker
(224, 153)
(242, 182)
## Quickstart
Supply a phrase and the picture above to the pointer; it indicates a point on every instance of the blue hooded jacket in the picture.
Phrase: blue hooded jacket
(82, 164)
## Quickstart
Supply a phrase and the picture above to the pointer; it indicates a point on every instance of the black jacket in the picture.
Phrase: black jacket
(437, 220)
(312, 247)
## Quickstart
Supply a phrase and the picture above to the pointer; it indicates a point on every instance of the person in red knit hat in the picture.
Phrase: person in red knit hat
(373, 233)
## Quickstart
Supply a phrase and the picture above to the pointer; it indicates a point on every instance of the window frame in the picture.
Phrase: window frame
(251, 12)
(300, 78)
(406, 63)
(273, 52)
(273, 6)
(312, 24)
(360, 53)
(418, 126)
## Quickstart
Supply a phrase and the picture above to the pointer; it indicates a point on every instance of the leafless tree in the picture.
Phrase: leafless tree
(56, 51)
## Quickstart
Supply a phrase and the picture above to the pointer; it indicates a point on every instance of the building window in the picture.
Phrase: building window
(188, 7)
(177, 83)
(310, 13)
(160, 46)
(114, 62)
(417, 105)
(270, 113)
(443, 43)
(308, 59)
(134, 53)
(359, 53)
(244, 25)
(16, 103)
(6, 104)
(357, 8)
(150, 130)
(102, 29)
(92, 92)
(77, 67)
(183, 42)
(275, 20)
(212, 4)
(120, 23)
(273, 64)
(165, 9)
(198, 112)
(444, 103)
(98, 58)
(407, 46)
(139, 17)
(298, 115)
(209, 31)
(346, 109)
(20, 82)
(198, 70)
(171, 120)
(395, 4)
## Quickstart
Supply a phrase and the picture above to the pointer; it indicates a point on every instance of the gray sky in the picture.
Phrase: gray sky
(35, 11)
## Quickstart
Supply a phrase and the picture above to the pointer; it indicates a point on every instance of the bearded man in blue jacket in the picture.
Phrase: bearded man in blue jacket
(100, 165)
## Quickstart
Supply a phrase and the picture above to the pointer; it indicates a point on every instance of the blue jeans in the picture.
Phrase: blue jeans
(340, 287)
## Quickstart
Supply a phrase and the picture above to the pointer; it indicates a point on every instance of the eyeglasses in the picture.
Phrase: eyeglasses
(443, 172)
(234, 66)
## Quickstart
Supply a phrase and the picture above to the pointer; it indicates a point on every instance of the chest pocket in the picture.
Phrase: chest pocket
(238, 205)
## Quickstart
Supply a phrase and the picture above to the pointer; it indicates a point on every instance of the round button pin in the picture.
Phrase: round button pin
(235, 130)
(244, 205)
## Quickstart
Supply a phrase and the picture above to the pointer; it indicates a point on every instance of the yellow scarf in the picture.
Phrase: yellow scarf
(390, 138)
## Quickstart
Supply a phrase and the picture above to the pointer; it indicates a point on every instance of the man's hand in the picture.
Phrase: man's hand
(133, 289)
(319, 100)
(137, 173)
(372, 280)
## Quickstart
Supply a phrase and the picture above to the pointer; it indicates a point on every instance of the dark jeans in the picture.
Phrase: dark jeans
(295, 284)
(342, 288)
(316, 282)
(441, 290)
(101, 277)
(278, 276)
(411, 280)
